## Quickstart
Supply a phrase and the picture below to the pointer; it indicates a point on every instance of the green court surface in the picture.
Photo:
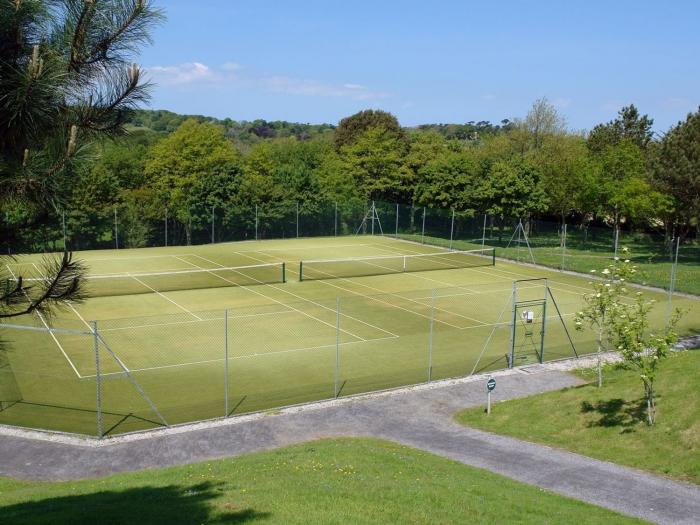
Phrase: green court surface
(187, 333)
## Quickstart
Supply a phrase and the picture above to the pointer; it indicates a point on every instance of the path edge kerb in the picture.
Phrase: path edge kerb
(82, 440)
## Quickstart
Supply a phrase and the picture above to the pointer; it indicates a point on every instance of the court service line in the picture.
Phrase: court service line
(310, 300)
(500, 270)
(249, 289)
(248, 356)
(376, 299)
(46, 325)
(165, 297)
(451, 285)
(193, 321)
(90, 328)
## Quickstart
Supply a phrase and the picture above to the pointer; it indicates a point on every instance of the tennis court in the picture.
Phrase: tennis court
(199, 332)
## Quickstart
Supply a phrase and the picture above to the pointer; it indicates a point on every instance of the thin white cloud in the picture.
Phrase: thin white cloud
(561, 102)
(181, 74)
(488, 97)
(314, 88)
(231, 66)
(229, 74)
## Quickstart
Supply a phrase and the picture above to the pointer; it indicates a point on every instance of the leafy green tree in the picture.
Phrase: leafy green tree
(567, 173)
(628, 126)
(623, 187)
(677, 171)
(351, 128)
(176, 164)
(542, 120)
(512, 189)
(375, 162)
(448, 181)
(66, 79)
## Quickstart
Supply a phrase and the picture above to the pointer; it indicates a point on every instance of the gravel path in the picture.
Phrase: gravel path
(420, 417)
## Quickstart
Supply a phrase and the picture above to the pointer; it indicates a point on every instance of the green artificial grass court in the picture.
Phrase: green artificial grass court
(333, 481)
(282, 338)
(609, 423)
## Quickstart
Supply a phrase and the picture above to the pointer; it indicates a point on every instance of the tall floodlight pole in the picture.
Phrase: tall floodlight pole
(297, 219)
(256, 222)
(166, 226)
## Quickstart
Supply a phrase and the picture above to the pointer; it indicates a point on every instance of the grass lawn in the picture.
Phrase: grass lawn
(609, 423)
(332, 481)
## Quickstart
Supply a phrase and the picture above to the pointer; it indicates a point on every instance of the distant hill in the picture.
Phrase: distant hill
(250, 132)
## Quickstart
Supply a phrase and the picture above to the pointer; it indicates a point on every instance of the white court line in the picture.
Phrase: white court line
(53, 336)
(248, 356)
(193, 321)
(373, 298)
(251, 290)
(166, 297)
(90, 328)
(383, 292)
(496, 269)
(310, 300)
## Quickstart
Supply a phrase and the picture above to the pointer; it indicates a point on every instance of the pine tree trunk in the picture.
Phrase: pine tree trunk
(600, 358)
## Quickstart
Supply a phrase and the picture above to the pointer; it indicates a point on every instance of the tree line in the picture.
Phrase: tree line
(620, 173)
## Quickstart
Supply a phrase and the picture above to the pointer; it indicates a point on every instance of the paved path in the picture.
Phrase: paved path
(421, 418)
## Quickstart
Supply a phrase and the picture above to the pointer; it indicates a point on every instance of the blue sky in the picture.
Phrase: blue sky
(426, 61)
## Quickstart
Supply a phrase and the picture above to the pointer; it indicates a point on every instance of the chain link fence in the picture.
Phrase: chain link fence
(116, 376)
(667, 261)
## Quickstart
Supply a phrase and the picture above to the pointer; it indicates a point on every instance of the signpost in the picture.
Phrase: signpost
(490, 387)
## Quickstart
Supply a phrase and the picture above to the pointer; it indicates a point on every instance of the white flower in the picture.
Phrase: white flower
(597, 295)
(607, 285)
(593, 271)
(627, 261)
(617, 258)
(606, 272)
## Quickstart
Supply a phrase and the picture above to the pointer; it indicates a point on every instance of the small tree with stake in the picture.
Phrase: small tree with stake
(603, 303)
(66, 80)
(641, 348)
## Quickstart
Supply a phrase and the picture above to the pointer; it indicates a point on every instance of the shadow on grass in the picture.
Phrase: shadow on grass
(617, 413)
(143, 505)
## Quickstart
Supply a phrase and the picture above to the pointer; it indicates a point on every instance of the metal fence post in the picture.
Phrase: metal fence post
(337, 347)
(335, 221)
(483, 233)
(212, 224)
(396, 234)
(563, 246)
(672, 284)
(430, 337)
(116, 230)
(166, 226)
(226, 413)
(256, 222)
(452, 228)
(98, 392)
(65, 236)
(422, 235)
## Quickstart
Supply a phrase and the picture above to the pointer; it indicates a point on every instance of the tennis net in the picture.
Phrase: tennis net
(134, 283)
(389, 264)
